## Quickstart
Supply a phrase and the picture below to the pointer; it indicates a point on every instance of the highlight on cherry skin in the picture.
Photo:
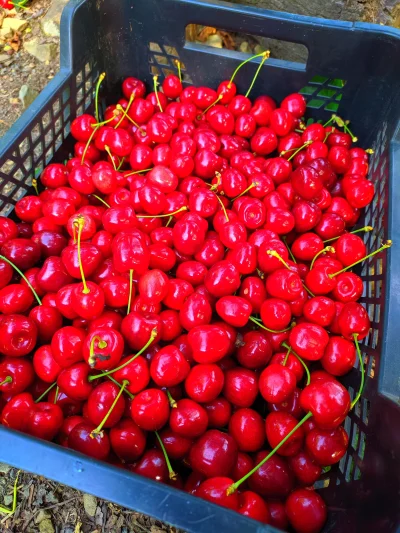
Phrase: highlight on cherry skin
(181, 297)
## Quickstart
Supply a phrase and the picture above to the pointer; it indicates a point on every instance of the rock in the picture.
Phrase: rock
(42, 52)
(258, 49)
(4, 468)
(214, 40)
(51, 21)
(90, 504)
(46, 526)
(8, 498)
(245, 47)
(27, 95)
(11, 25)
(42, 515)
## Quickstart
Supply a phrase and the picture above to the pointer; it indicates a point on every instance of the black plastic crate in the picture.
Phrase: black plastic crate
(351, 69)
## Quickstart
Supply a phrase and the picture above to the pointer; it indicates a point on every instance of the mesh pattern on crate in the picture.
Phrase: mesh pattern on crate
(324, 93)
(45, 137)
(162, 62)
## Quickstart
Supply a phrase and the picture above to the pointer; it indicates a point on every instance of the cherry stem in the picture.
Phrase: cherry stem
(96, 98)
(101, 200)
(7, 380)
(347, 130)
(56, 395)
(297, 150)
(365, 228)
(172, 474)
(264, 59)
(142, 132)
(292, 257)
(223, 207)
(254, 184)
(35, 294)
(172, 402)
(153, 335)
(275, 254)
(11, 511)
(330, 249)
(80, 222)
(369, 151)
(124, 111)
(100, 344)
(88, 144)
(178, 64)
(169, 221)
(219, 97)
(261, 325)
(120, 386)
(34, 185)
(241, 65)
(121, 163)
(46, 392)
(155, 83)
(130, 291)
(387, 244)
(98, 124)
(138, 172)
(360, 358)
(183, 208)
(237, 484)
(301, 361)
(101, 425)
(286, 356)
(107, 149)
(329, 121)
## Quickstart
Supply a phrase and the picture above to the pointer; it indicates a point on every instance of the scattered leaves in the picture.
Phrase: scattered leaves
(14, 42)
(205, 33)
(227, 39)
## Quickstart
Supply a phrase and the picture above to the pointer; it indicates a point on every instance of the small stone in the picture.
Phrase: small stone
(8, 498)
(42, 52)
(42, 515)
(46, 526)
(258, 49)
(27, 95)
(51, 21)
(11, 25)
(50, 28)
(245, 47)
(90, 504)
(4, 468)
(214, 40)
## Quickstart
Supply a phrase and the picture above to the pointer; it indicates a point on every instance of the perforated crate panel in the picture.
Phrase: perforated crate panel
(46, 137)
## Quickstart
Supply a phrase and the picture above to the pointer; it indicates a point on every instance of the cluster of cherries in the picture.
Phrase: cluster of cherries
(177, 299)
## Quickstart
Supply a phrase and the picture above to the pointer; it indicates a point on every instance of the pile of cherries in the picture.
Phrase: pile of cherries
(177, 297)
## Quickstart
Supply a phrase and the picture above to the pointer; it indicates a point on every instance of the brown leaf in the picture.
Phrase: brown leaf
(205, 33)
(227, 39)
(15, 41)
(191, 32)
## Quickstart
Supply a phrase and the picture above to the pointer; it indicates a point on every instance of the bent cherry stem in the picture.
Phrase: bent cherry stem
(172, 474)
(46, 392)
(183, 208)
(131, 396)
(384, 246)
(101, 200)
(11, 511)
(124, 111)
(35, 294)
(219, 97)
(265, 56)
(79, 222)
(243, 63)
(286, 356)
(101, 425)
(360, 358)
(155, 83)
(261, 325)
(254, 184)
(107, 149)
(97, 126)
(365, 228)
(172, 402)
(8, 379)
(237, 484)
(330, 249)
(296, 150)
(100, 344)
(153, 335)
(300, 360)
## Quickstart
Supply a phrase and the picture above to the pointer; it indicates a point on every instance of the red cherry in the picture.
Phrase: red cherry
(306, 511)
(82, 439)
(45, 420)
(150, 409)
(328, 401)
(240, 387)
(204, 382)
(277, 383)
(277, 426)
(273, 479)
(169, 367)
(213, 454)
(309, 340)
(353, 320)
(327, 447)
(255, 350)
(101, 400)
(219, 412)
(247, 428)
(284, 284)
(339, 356)
(18, 335)
(215, 490)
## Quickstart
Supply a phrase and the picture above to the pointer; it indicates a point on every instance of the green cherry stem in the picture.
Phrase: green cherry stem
(88, 144)
(35, 186)
(237, 484)
(261, 325)
(254, 184)
(131, 396)
(183, 208)
(121, 163)
(39, 301)
(130, 291)
(178, 66)
(172, 402)
(46, 392)
(219, 97)
(155, 84)
(96, 98)
(241, 65)
(56, 395)
(101, 200)
(101, 425)
(7, 380)
(80, 221)
(307, 143)
(172, 474)
(107, 149)
(275, 254)
(286, 356)
(384, 246)
(330, 249)
(124, 111)
(360, 358)
(222, 207)
(153, 335)
(265, 56)
(11, 511)
(365, 228)
(301, 361)
(100, 344)
(292, 257)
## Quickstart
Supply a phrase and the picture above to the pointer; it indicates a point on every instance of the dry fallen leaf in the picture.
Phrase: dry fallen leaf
(227, 39)
(205, 33)
(15, 41)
